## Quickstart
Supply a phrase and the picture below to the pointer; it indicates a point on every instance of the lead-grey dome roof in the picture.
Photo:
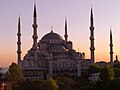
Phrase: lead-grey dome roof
(51, 36)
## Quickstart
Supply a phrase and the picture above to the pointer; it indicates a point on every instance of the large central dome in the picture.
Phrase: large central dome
(51, 36)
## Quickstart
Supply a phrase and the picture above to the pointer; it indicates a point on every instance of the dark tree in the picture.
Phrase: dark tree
(14, 74)
(93, 69)
(65, 83)
(114, 84)
(117, 72)
(106, 73)
(117, 65)
(49, 84)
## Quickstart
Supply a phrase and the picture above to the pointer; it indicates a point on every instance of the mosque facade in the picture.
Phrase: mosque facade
(53, 55)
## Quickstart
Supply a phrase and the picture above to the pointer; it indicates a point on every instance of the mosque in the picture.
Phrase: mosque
(53, 55)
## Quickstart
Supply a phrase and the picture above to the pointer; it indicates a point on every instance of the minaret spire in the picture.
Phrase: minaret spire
(66, 36)
(19, 42)
(111, 47)
(35, 36)
(92, 48)
(91, 18)
(35, 13)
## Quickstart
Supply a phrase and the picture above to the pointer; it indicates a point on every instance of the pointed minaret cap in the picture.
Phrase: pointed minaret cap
(91, 19)
(91, 14)
(65, 23)
(19, 22)
(35, 13)
(110, 33)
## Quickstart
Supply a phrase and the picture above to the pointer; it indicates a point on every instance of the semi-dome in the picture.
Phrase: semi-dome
(51, 36)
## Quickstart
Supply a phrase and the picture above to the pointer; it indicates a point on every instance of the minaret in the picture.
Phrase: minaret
(19, 43)
(66, 36)
(111, 47)
(92, 48)
(35, 37)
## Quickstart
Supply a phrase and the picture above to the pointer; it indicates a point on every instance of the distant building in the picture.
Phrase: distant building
(52, 55)
(101, 63)
(94, 77)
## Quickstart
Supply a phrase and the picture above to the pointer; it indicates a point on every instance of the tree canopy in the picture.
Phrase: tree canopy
(114, 84)
(49, 84)
(106, 73)
(117, 65)
(14, 74)
(93, 69)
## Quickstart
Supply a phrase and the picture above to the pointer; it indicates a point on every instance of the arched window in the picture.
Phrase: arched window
(76, 70)
(68, 70)
(53, 70)
(65, 70)
(62, 70)
(73, 70)
(56, 70)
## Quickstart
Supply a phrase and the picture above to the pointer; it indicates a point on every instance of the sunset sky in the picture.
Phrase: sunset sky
(53, 13)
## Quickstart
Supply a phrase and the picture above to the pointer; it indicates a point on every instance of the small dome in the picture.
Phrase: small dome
(51, 36)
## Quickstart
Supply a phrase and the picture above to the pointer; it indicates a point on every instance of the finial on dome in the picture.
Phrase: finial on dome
(51, 29)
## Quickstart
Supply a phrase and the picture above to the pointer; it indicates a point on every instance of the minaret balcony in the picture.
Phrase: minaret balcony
(91, 28)
(19, 43)
(92, 48)
(111, 52)
(19, 52)
(19, 34)
(66, 36)
(35, 25)
(111, 45)
(35, 36)
(92, 38)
